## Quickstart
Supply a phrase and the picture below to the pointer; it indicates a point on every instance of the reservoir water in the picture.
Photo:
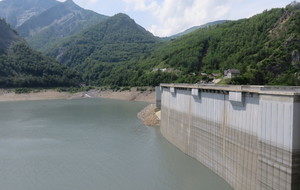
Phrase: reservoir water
(91, 144)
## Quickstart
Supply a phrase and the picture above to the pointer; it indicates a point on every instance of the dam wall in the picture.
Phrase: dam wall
(248, 135)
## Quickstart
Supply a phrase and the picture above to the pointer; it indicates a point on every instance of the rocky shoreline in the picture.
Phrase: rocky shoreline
(150, 115)
(130, 95)
(9, 95)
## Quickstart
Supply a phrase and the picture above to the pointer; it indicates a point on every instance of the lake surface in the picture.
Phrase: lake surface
(91, 144)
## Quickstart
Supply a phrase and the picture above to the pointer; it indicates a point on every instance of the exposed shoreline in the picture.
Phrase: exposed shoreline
(150, 116)
(9, 96)
(130, 95)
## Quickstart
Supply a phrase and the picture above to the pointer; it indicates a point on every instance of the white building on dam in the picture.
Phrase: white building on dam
(248, 135)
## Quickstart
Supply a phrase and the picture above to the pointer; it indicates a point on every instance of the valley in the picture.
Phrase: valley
(101, 50)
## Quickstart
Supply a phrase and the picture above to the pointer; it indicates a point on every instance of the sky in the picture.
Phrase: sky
(168, 17)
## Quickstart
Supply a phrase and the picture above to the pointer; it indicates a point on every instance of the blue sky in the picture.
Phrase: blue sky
(168, 17)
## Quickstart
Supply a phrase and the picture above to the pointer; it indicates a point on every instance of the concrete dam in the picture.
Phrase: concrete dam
(248, 135)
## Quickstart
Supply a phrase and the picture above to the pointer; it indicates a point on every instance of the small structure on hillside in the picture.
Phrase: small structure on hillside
(214, 75)
(162, 70)
(231, 73)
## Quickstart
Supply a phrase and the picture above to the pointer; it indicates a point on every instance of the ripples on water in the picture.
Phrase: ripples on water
(91, 144)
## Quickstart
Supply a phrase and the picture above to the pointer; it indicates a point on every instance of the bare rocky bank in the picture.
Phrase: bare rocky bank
(150, 115)
(130, 95)
(10, 95)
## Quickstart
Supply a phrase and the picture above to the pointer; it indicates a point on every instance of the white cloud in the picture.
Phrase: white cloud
(86, 2)
(174, 16)
(140, 5)
(220, 11)
(92, 1)
(178, 15)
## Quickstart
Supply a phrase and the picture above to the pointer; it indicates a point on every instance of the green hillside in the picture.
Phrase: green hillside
(107, 45)
(20, 66)
(56, 23)
(265, 48)
(192, 29)
(7, 36)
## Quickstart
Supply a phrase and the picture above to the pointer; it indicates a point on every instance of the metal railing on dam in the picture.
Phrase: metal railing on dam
(248, 135)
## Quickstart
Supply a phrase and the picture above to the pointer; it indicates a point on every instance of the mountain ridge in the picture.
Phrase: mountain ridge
(16, 12)
(192, 29)
(8, 36)
(114, 34)
(56, 23)
(264, 48)
(20, 66)
(117, 51)
(263, 57)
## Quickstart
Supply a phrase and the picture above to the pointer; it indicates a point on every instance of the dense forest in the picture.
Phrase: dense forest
(23, 67)
(7, 36)
(265, 48)
(20, 66)
(118, 39)
(111, 47)
(117, 52)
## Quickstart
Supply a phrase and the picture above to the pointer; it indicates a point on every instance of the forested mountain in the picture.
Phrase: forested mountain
(20, 66)
(16, 12)
(7, 37)
(117, 51)
(60, 21)
(111, 43)
(192, 29)
(115, 40)
(265, 48)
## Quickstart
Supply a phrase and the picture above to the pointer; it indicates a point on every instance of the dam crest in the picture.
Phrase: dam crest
(248, 135)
